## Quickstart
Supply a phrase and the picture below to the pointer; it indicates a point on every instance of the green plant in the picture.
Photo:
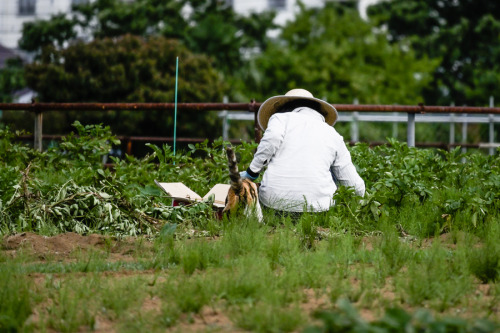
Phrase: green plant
(346, 319)
(16, 303)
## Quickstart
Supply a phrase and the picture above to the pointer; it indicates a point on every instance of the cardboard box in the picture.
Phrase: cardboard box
(181, 193)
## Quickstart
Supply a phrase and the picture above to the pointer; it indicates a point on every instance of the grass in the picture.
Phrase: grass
(258, 277)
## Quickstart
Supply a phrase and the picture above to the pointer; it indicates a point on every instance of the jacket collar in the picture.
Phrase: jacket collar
(309, 111)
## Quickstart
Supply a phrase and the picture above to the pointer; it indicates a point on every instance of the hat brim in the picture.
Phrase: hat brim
(272, 104)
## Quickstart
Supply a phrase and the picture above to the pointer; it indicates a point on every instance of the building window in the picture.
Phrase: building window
(277, 4)
(27, 7)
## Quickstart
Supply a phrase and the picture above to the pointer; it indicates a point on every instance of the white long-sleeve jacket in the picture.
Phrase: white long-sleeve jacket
(299, 149)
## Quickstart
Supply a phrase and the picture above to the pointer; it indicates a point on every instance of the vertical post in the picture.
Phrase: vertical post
(175, 102)
(355, 127)
(491, 150)
(257, 131)
(37, 145)
(395, 126)
(410, 137)
(129, 146)
(452, 129)
(354, 124)
(464, 133)
(225, 122)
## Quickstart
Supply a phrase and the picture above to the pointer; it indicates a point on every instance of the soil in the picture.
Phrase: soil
(67, 247)
(64, 247)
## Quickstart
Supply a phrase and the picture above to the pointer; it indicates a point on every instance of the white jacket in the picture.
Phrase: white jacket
(299, 148)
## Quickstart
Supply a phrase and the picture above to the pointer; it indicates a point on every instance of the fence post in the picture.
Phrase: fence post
(492, 128)
(464, 133)
(354, 125)
(410, 137)
(257, 130)
(452, 130)
(395, 127)
(37, 134)
(225, 121)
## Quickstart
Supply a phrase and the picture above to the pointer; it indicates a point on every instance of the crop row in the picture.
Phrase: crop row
(67, 188)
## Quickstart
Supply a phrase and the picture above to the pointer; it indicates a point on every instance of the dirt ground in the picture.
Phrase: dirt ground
(65, 248)
(62, 247)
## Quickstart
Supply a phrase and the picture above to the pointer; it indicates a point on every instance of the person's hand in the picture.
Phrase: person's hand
(246, 175)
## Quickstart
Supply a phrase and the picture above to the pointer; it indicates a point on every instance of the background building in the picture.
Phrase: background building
(13, 13)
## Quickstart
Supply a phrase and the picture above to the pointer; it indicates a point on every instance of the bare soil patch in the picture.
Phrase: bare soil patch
(62, 247)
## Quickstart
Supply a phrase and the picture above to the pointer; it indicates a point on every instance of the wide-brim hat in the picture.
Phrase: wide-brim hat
(272, 104)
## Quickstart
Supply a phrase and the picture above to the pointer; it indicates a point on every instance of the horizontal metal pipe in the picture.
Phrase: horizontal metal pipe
(125, 106)
(250, 107)
(126, 138)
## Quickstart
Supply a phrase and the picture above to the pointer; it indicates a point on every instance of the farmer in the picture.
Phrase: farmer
(303, 154)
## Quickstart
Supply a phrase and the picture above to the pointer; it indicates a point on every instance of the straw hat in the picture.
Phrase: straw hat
(272, 104)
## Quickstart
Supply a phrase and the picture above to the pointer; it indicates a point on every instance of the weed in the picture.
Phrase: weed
(73, 306)
(395, 253)
(15, 300)
(268, 318)
(436, 277)
(484, 261)
(120, 295)
(189, 295)
(307, 230)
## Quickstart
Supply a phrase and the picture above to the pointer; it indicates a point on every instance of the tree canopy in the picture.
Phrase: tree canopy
(11, 79)
(128, 69)
(335, 54)
(210, 27)
(463, 35)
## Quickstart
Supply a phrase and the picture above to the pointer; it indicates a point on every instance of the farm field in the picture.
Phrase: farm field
(88, 248)
(253, 277)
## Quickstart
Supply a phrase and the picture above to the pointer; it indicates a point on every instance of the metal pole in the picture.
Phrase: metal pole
(410, 138)
(464, 133)
(37, 134)
(225, 121)
(452, 129)
(354, 125)
(491, 128)
(395, 127)
(175, 102)
(254, 107)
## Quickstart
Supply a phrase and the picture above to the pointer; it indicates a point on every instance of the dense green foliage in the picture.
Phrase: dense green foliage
(67, 189)
(462, 35)
(136, 70)
(210, 27)
(11, 79)
(330, 51)
(335, 54)
(346, 319)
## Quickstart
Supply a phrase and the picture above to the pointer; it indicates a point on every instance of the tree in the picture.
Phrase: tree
(11, 79)
(463, 35)
(210, 27)
(336, 55)
(128, 69)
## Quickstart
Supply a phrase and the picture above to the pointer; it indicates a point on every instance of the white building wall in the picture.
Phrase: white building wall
(283, 15)
(11, 23)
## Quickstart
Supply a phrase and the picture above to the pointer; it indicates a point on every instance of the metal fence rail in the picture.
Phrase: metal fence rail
(355, 109)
